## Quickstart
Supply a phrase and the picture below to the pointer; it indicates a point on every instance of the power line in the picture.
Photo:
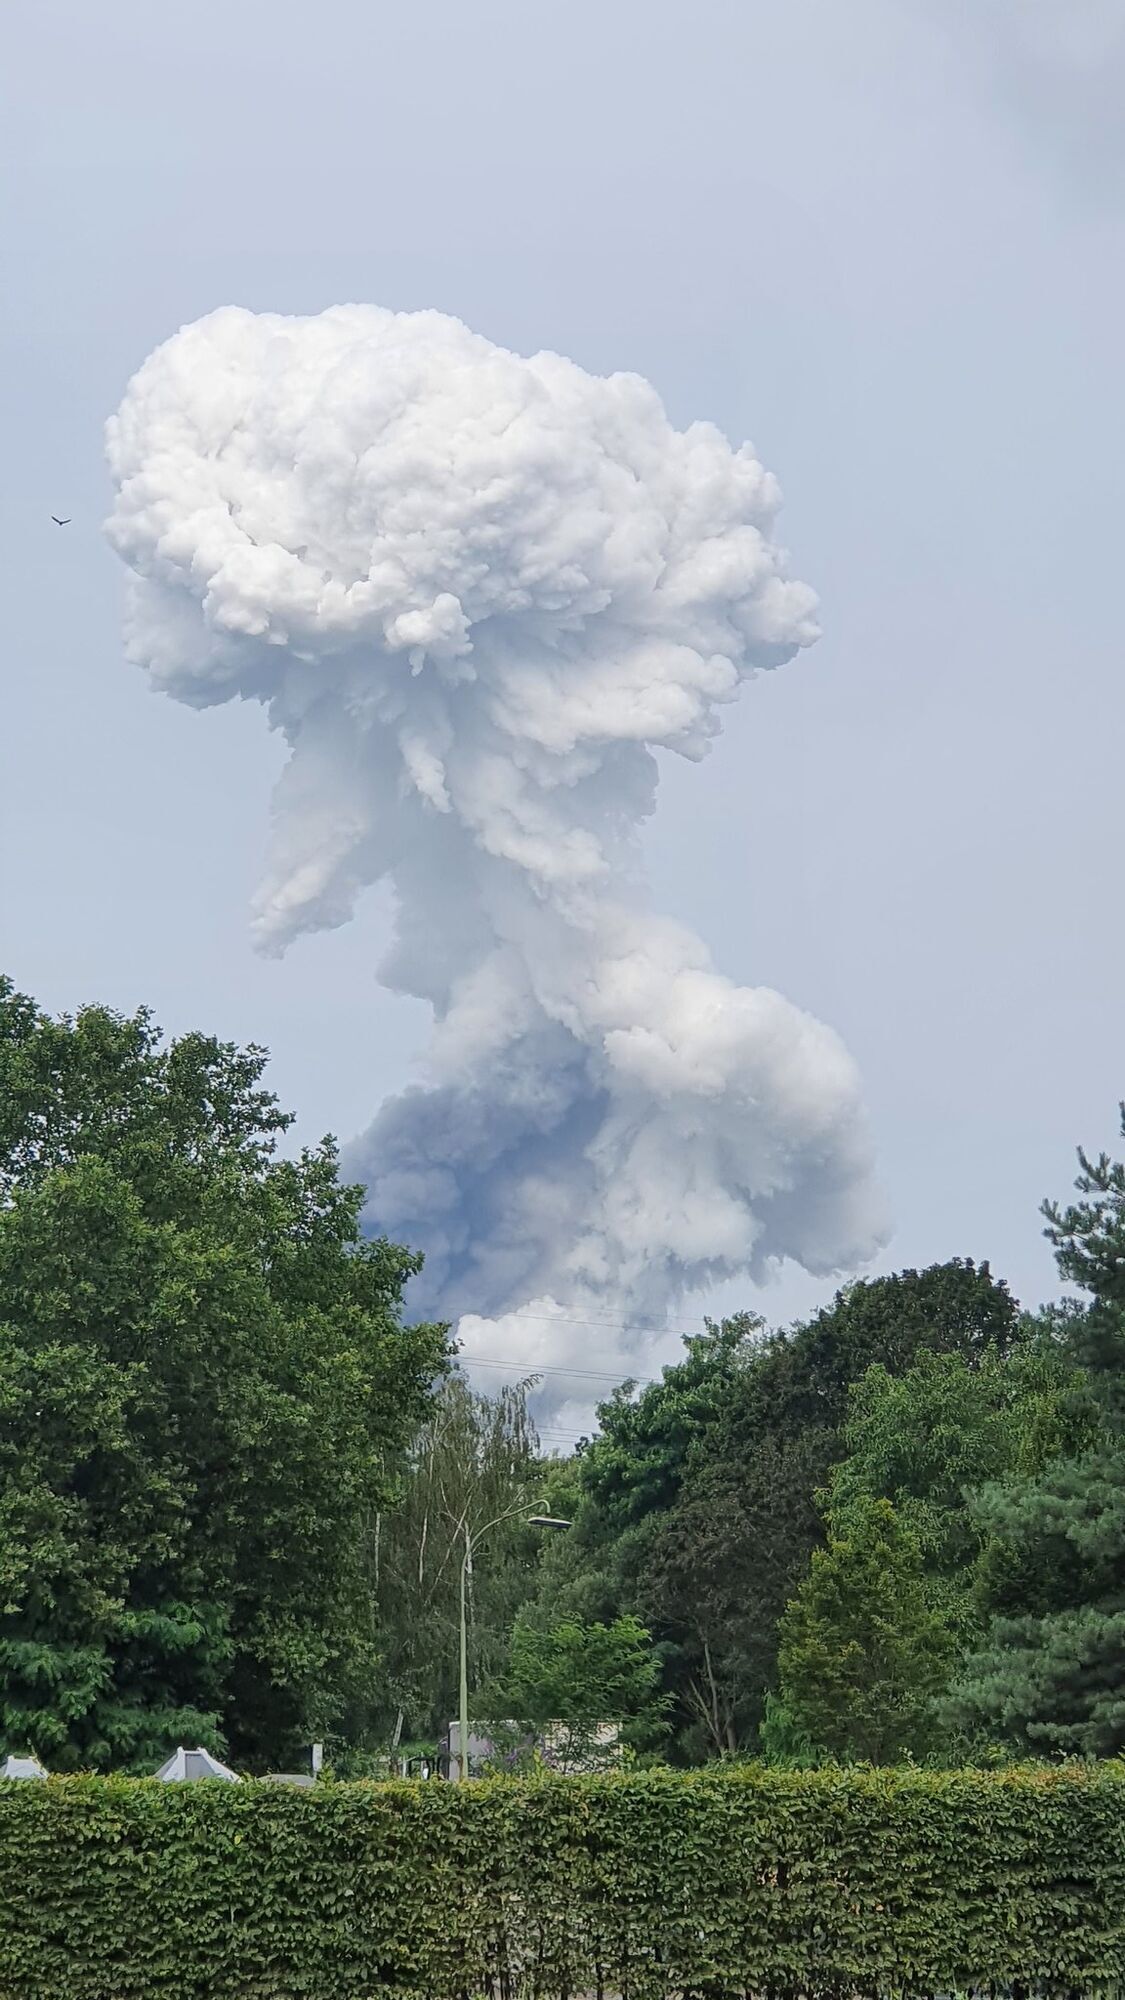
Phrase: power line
(537, 1368)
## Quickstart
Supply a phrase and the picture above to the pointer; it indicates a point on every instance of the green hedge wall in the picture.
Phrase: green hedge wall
(716, 1883)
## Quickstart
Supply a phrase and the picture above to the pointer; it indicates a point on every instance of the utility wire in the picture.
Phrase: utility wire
(536, 1368)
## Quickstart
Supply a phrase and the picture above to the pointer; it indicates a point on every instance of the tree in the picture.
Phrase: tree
(862, 1654)
(928, 1439)
(84, 1506)
(571, 1679)
(206, 1393)
(952, 1308)
(726, 1558)
(722, 1566)
(698, 1510)
(1049, 1671)
(635, 1468)
(1089, 1244)
(1049, 1674)
(628, 1478)
(475, 1462)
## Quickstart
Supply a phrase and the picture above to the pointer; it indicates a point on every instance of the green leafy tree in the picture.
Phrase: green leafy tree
(782, 1743)
(928, 1439)
(627, 1480)
(570, 1680)
(635, 1467)
(476, 1462)
(725, 1559)
(206, 1394)
(952, 1308)
(722, 1566)
(863, 1655)
(698, 1507)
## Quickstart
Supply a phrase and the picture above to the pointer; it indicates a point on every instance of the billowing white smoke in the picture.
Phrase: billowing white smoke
(475, 592)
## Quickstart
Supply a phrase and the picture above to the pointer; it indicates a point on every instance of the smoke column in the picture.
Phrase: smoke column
(476, 592)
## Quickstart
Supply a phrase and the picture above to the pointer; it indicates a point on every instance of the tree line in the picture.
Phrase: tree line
(236, 1482)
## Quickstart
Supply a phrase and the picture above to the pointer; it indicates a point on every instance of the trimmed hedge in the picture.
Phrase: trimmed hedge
(715, 1883)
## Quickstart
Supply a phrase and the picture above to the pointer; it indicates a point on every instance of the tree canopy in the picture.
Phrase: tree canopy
(571, 1679)
(475, 1467)
(236, 1483)
(697, 1507)
(206, 1394)
(863, 1653)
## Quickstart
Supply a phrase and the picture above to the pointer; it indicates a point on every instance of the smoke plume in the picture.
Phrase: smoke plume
(475, 593)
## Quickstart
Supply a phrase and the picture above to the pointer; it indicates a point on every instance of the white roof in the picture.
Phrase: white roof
(188, 1764)
(22, 1767)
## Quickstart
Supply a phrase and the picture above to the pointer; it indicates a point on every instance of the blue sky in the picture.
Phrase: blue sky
(882, 241)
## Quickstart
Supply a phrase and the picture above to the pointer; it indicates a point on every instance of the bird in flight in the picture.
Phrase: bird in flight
(61, 524)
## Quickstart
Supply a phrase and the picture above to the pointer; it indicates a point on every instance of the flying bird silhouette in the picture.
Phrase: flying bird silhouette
(61, 524)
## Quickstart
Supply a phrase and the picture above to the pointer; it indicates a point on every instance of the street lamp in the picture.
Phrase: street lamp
(532, 1521)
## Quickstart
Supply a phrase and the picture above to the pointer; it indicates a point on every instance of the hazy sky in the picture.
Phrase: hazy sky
(883, 241)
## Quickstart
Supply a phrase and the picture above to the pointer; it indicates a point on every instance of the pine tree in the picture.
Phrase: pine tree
(1089, 1244)
(1050, 1672)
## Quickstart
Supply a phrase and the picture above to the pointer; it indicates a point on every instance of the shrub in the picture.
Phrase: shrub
(725, 1883)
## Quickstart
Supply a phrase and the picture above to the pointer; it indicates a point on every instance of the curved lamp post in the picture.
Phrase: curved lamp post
(471, 1536)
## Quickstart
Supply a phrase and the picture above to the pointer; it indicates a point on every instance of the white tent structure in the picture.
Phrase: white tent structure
(22, 1767)
(186, 1765)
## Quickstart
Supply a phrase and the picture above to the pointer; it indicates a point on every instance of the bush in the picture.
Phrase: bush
(723, 1883)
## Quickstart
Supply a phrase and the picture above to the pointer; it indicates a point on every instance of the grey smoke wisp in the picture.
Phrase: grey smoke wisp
(476, 593)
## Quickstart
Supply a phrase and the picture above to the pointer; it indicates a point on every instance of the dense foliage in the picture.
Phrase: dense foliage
(723, 1883)
(570, 1680)
(899, 1528)
(237, 1491)
(206, 1394)
(698, 1504)
(863, 1653)
(1049, 1671)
